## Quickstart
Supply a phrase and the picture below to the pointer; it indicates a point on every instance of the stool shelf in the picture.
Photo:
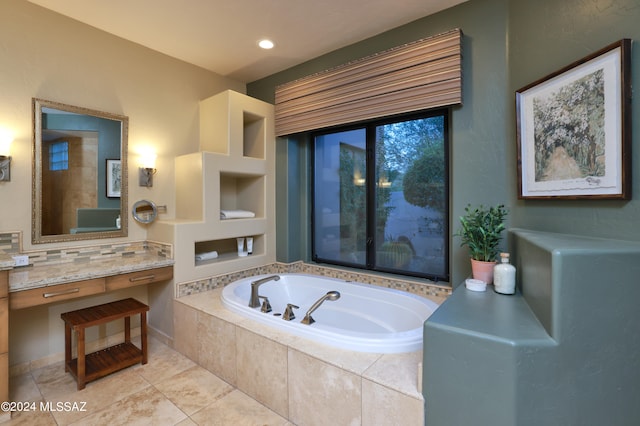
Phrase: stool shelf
(106, 361)
(89, 367)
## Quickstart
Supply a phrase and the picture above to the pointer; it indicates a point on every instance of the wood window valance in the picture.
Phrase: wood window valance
(420, 75)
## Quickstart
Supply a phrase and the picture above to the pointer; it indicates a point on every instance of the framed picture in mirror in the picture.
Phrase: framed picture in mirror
(114, 178)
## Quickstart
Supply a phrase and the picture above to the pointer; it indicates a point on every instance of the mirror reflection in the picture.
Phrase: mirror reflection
(144, 211)
(79, 173)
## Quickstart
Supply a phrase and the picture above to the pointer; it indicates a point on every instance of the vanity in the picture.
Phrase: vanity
(80, 196)
(60, 275)
(50, 282)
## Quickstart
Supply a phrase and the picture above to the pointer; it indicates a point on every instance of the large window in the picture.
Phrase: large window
(381, 196)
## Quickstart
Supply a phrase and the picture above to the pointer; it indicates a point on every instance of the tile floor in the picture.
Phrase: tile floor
(169, 390)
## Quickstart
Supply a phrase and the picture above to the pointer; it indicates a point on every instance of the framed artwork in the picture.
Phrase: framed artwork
(114, 178)
(574, 129)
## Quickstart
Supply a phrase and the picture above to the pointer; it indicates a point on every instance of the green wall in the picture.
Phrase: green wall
(507, 44)
(545, 36)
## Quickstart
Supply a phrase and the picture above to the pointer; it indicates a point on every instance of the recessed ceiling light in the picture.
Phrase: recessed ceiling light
(266, 44)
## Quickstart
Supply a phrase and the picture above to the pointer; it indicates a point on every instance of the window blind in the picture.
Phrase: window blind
(424, 74)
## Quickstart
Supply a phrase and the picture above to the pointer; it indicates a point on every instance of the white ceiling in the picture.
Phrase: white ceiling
(222, 35)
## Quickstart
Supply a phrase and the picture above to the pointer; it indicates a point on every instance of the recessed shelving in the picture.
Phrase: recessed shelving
(242, 192)
(226, 249)
(253, 135)
(233, 170)
(236, 125)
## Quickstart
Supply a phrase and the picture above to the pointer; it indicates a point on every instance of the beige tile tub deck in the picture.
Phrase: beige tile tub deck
(307, 382)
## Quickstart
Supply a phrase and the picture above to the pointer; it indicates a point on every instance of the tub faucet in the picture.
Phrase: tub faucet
(331, 295)
(254, 301)
(288, 313)
(266, 306)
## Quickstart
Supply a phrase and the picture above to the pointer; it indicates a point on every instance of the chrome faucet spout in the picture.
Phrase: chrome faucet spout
(331, 295)
(254, 301)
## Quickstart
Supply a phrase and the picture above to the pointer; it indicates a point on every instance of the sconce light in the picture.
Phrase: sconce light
(5, 156)
(384, 183)
(147, 169)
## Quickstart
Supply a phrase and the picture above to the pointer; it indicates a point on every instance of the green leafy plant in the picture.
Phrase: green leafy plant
(481, 230)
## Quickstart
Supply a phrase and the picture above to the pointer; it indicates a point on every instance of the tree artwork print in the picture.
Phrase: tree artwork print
(574, 129)
(568, 131)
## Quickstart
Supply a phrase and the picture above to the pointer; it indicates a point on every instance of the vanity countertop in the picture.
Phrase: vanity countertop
(29, 277)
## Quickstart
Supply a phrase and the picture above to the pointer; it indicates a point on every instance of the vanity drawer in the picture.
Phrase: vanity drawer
(116, 282)
(55, 293)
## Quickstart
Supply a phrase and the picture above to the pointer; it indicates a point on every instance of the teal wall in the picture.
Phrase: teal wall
(545, 36)
(506, 45)
(109, 144)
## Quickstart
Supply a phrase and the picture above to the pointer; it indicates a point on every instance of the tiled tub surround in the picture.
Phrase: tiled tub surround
(436, 292)
(307, 382)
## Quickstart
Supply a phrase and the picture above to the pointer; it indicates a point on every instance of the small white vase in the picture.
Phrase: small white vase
(504, 275)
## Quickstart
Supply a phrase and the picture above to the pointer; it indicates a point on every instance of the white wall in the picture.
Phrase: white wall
(46, 55)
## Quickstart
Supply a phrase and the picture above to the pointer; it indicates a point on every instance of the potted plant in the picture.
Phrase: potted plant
(480, 231)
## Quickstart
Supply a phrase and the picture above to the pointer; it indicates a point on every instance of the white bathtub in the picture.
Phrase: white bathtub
(365, 318)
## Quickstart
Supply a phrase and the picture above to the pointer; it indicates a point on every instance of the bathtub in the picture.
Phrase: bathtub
(365, 318)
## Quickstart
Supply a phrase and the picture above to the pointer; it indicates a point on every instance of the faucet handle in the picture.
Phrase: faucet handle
(288, 313)
(266, 306)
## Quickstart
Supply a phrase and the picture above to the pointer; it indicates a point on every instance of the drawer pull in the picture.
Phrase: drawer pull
(60, 293)
(143, 278)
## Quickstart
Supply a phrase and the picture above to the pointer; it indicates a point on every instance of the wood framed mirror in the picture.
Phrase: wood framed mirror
(79, 173)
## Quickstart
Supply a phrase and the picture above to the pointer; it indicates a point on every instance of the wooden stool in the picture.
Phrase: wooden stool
(86, 368)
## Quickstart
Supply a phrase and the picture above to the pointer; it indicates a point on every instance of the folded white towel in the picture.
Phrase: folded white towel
(236, 214)
(207, 255)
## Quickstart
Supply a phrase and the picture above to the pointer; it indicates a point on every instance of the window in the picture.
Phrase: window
(380, 195)
(59, 156)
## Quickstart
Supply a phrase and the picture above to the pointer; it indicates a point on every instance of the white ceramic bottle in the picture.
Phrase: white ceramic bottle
(504, 276)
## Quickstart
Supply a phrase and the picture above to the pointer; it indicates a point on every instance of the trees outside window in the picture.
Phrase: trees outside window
(381, 195)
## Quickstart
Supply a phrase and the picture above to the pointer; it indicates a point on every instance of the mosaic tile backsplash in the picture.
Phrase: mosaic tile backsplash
(10, 243)
(432, 291)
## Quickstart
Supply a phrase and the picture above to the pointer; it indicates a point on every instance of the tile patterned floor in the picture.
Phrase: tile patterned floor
(169, 390)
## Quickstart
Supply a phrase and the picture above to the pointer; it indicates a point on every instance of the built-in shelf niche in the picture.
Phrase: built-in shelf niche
(242, 192)
(227, 249)
(236, 125)
(253, 136)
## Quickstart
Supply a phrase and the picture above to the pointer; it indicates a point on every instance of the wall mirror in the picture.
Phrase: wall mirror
(144, 211)
(79, 173)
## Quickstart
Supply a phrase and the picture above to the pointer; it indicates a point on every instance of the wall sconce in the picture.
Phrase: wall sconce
(384, 183)
(147, 169)
(5, 156)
